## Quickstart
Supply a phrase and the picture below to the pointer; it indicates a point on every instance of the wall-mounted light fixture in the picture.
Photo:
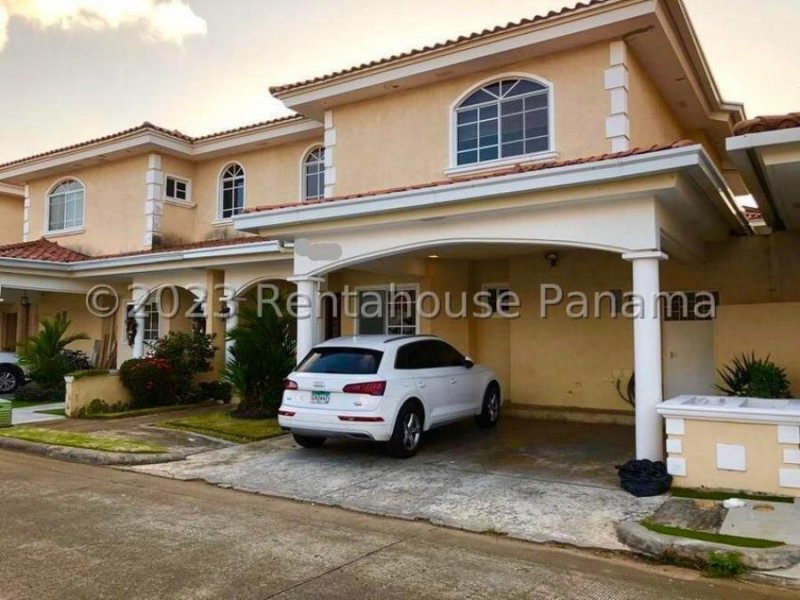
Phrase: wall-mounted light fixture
(551, 258)
(24, 301)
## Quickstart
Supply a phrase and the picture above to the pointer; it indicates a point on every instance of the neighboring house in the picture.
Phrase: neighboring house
(581, 149)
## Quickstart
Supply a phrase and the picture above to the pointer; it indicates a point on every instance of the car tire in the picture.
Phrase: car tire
(490, 413)
(407, 434)
(10, 379)
(307, 441)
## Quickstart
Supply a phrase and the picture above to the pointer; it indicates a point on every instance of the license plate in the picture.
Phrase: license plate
(320, 397)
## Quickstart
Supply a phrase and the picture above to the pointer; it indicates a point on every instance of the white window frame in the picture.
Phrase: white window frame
(80, 228)
(221, 219)
(303, 183)
(550, 153)
(178, 179)
(496, 287)
(410, 287)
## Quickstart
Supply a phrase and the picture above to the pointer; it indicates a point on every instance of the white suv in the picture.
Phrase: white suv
(385, 388)
(11, 374)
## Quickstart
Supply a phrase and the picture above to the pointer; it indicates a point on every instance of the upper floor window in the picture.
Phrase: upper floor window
(176, 188)
(314, 174)
(503, 119)
(65, 206)
(232, 191)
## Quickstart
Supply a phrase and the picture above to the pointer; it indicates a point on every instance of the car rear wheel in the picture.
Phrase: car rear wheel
(491, 407)
(10, 380)
(307, 441)
(407, 434)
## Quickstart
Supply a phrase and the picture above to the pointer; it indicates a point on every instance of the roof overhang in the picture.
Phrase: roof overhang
(658, 32)
(685, 179)
(145, 140)
(122, 266)
(769, 162)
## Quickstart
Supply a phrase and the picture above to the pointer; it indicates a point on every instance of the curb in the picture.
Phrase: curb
(696, 551)
(89, 457)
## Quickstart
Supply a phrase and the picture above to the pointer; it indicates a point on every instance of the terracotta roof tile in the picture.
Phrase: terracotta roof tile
(48, 251)
(464, 39)
(767, 123)
(147, 126)
(41, 250)
(512, 170)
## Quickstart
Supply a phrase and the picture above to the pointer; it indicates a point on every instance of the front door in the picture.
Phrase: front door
(688, 358)
(10, 332)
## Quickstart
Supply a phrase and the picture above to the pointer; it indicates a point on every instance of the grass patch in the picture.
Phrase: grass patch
(59, 412)
(722, 495)
(221, 424)
(22, 404)
(142, 412)
(80, 440)
(718, 538)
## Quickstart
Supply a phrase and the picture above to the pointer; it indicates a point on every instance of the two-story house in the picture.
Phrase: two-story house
(582, 152)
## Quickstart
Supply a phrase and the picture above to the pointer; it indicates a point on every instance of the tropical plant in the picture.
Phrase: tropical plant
(45, 355)
(261, 356)
(748, 376)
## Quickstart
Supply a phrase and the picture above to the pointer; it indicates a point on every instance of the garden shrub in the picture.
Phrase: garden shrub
(150, 381)
(45, 355)
(36, 392)
(219, 391)
(725, 564)
(188, 354)
(98, 406)
(751, 377)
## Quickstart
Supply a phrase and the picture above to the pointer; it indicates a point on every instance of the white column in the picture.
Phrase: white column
(647, 353)
(139, 300)
(231, 322)
(307, 313)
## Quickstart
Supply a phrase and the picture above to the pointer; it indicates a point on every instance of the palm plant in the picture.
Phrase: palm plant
(45, 354)
(261, 356)
(748, 376)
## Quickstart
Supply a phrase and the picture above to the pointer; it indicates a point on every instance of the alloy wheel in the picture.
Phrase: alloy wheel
(7, 382)
(412, 431)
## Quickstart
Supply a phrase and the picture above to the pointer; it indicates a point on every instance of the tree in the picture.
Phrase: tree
(261, 356)
(45, 354)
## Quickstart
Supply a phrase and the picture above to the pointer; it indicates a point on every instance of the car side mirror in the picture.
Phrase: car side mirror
(468, 363)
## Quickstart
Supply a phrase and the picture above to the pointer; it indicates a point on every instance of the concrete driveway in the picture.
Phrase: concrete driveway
(532, 480)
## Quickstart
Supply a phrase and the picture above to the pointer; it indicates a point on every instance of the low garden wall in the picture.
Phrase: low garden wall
(86, 387)
(738, 444)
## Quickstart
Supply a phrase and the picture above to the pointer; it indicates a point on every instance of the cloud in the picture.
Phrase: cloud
(169, 21)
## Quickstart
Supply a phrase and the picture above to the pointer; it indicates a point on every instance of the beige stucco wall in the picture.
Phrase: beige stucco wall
(651, 120)
(11, 210)
(114, 217)
(51, 304)
(83, 390)
(764, 457)
(766, 329)
(272, 176)
(404, 138)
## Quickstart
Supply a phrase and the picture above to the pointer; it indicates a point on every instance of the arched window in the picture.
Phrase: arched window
(232, 191)
(65, 206)
(503, 119)
(314, 174)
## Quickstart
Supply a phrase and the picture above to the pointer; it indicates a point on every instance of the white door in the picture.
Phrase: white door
(688, 348)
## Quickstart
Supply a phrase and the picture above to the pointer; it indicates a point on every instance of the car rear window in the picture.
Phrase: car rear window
(345, 361)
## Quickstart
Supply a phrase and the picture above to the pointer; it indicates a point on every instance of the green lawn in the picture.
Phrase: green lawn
(678, 492)
(718, 538)
(80, 440)
(20, 404)
(220, 424)
(59, 412)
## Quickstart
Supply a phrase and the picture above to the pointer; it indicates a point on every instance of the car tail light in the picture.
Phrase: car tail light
(370, 388)
(286, 413)
(288, 384)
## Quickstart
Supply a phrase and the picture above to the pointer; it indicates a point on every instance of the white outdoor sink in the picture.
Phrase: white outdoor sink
(763, 410)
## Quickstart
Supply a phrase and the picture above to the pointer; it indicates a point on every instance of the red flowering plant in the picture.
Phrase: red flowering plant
(151, 382)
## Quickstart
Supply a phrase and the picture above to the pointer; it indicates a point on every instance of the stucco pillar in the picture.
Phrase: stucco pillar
(138, 314)
(308, 330)
(647, 353)
(231, 322)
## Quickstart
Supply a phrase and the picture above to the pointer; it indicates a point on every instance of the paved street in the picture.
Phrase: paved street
(75, 531)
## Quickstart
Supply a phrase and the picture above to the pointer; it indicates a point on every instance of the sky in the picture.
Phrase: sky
(71, 70)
